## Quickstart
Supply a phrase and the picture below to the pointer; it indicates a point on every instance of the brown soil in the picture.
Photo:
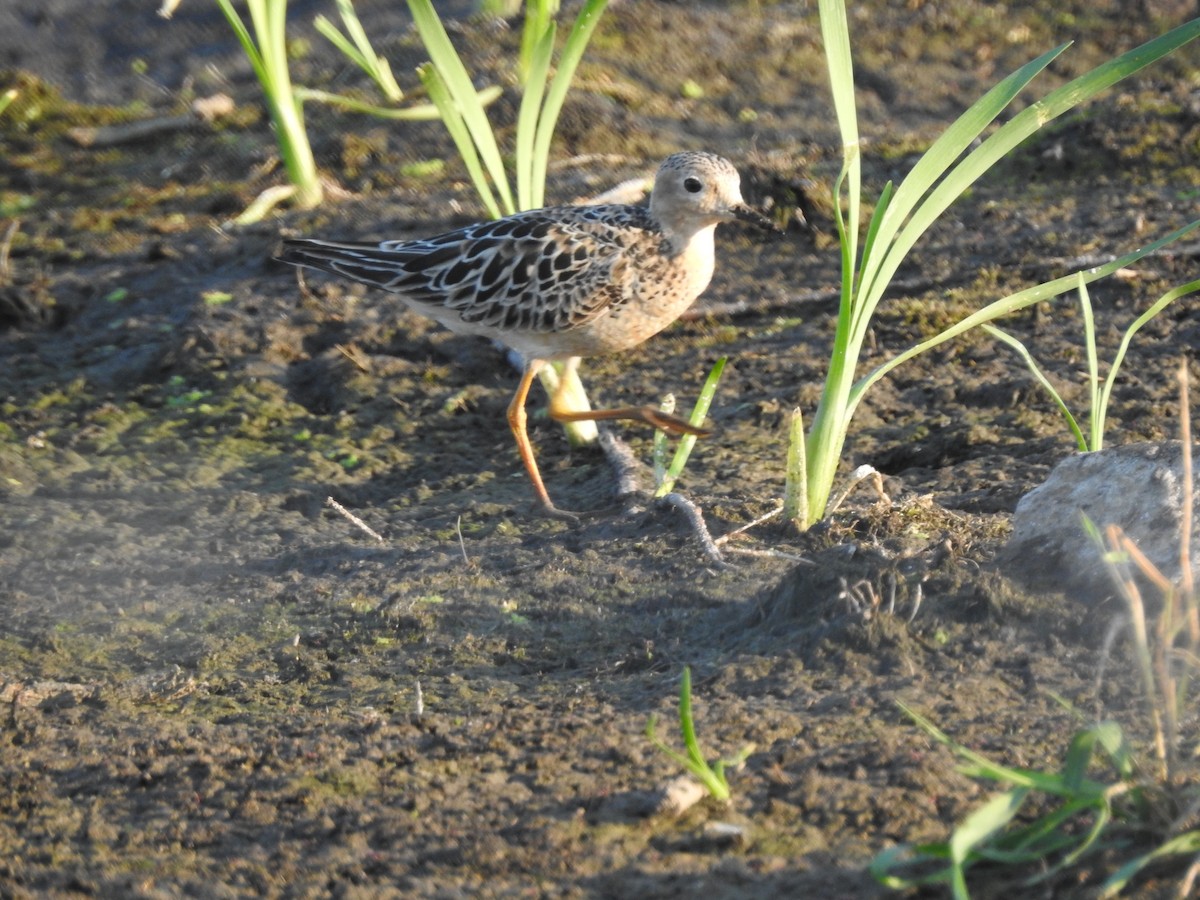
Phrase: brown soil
(218, 686)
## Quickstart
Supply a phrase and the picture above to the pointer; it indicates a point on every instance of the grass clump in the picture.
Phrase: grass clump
(712, 776)
(904, 212)
(1156, 804)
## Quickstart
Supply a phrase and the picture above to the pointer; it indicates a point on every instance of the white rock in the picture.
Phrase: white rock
(1137, 486)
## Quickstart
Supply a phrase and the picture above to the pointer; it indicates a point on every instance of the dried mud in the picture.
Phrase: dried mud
(215, 685)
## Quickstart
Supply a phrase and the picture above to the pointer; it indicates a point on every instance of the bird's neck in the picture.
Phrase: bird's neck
(695, 254)
(691, 243)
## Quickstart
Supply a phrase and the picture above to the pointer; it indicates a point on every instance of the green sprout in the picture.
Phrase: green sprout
(991, 833)
(711, 776)
(955, 161)
(450, 88)
(266, 48)
(267, 51)
(1098, 395)
(670, 474)
(356, 46)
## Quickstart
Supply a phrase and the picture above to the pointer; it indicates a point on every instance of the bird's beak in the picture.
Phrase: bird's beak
(751, 216)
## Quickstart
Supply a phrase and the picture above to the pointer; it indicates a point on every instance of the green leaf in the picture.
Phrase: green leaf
(452, 119)
(458, 87)
(1003, 336)
(568, 61)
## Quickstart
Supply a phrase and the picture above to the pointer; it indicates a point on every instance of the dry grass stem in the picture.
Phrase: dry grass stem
(353, 519)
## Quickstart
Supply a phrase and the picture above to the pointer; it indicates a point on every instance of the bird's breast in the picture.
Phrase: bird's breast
(657, 290)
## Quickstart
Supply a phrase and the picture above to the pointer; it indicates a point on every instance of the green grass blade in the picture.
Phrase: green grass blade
(678, 758)
(267, 51)
(355, 30)
(861, 311)
(1078, 758)
(1161, 303)
(686, 725)
(556, 95)
(538, 15)
(330, 32)
(1188, 842)
(1010, 304)
(983, 822)
(835, 37)
(432, 79)
(933, 165)
(527, 118)
(357, 48)
(459, 88)
(882, 865)
(1016, 130)
(713, 780)
(694, 762)
(244, 38)
(688, 441)
(1095, 417)
(1080, 439)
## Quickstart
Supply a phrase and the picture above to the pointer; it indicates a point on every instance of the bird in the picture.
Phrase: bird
(560, 283)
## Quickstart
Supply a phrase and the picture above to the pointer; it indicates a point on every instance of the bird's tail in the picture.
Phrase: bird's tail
(366, 262)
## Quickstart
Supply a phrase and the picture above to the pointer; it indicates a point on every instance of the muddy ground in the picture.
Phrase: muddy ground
(215, 685)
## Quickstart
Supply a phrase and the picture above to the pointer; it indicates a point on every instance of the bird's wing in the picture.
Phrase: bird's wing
(541, 271)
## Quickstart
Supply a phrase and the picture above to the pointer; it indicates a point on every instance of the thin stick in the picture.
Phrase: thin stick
(461, 543)
(353, 519)
(763, 518)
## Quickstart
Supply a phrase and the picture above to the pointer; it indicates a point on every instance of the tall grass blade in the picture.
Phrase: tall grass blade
(1095, 414)
(458, 85)
(1155, 308)
(268, 58)
(527, 118)
(1014, 302)
(358, 49)
(452, 118)
(915, 208)
(1080, 440)
(977, 827)
(556, 95)
(1023, 125)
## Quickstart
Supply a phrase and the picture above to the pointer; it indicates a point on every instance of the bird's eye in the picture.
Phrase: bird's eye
(692, 185)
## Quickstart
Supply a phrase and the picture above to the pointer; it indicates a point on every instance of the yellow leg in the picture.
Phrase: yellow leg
(648, 414)
(558, 412)
(516, 421)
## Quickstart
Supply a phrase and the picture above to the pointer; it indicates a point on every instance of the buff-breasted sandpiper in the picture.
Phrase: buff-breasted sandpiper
(563, 282)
